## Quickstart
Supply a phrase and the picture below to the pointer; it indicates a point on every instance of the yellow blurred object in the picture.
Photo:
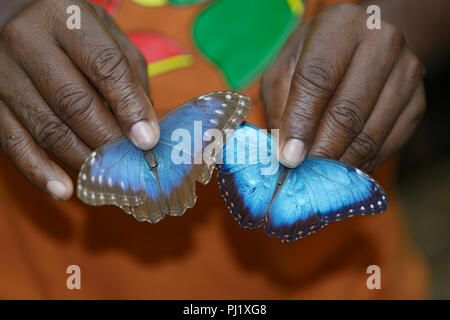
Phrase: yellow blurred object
(296, 6)
(165, 65)
(151, 3)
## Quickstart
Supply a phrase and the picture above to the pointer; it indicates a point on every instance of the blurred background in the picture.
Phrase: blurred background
(425, 182)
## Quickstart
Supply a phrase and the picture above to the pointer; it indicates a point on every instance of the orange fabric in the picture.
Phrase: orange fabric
(203, 254)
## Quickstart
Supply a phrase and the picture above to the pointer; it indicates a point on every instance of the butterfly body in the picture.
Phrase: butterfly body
(150, 184)
(291, 203)
(151, 159)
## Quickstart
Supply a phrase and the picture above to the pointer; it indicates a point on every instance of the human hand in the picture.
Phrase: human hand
(342, 91)
(53, 87)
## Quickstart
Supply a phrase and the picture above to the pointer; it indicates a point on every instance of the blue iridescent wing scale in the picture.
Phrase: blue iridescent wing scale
(113, 174)
(168, 187)
(220, 111)
(293, 203)
(247, 193)
(319, 192)
(250, 210)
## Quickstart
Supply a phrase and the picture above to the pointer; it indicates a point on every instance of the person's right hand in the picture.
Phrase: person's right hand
(54, 82)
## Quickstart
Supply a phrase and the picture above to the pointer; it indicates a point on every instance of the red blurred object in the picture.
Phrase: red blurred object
(161, 52)
(111, 6)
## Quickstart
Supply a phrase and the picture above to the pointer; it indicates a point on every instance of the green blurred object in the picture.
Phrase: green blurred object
(242, 37)
(185, 2)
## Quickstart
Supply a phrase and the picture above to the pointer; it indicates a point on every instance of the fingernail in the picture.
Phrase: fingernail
(57, 189)
(293, 153)
(144, 135)
(155, 126)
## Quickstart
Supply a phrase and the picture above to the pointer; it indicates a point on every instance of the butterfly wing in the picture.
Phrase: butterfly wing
(246, 177)
(113, 174)
(319, 192)
(169, 187)
(292, 203)
(176, 181)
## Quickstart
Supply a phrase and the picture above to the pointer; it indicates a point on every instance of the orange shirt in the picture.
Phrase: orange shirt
(203, 254)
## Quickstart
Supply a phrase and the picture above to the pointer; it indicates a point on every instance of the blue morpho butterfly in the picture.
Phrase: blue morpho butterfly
(290, 203)
(152, 184)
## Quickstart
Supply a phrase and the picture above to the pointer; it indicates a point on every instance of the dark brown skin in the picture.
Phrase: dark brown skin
(341, 90)
(52, 98)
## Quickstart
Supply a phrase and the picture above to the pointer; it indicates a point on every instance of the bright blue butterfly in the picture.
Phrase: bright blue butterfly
(151, 184)
(290, 203)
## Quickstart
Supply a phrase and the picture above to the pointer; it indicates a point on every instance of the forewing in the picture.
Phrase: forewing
(247, 176)
(113, 174)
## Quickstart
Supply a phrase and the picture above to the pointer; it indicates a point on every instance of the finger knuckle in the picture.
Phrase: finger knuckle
(346, 118)
(107, 64)
(322, 149)
(15, 146)
(54, 136)
(73, 101)
(298, 121)
(363, 148)
(314, 77)
(12, 31)
(300, 114)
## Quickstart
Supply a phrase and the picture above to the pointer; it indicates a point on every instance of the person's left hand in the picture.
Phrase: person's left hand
(342, 91)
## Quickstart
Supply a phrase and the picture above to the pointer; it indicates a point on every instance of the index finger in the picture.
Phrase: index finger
(325, 55)
(102, 61)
